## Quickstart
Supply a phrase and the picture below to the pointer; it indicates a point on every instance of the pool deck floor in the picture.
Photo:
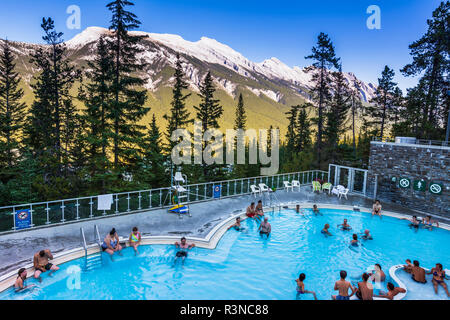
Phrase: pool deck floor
(17, 249)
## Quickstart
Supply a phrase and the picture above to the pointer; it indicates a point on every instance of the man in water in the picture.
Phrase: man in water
(316, 210)
(259, 210)
(415, 223)
(265, 228)
(19, 285)
(418, 273)
(184, 248)
(342, 286)
(345, 226)
(355, 241)
(251, 212)
(325, 230)
(41, 264)
(237, 225)
(392, 292)
(365, 289)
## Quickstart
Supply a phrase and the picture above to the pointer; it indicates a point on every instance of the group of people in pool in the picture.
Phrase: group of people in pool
(418, 274)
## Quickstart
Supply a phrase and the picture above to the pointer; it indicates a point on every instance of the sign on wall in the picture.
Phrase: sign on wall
(435, 188)
(22, 219)
(420, 185)
(404, 183)
(217, 191)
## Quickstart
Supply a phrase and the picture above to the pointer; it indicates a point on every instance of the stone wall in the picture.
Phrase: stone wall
(414, 162)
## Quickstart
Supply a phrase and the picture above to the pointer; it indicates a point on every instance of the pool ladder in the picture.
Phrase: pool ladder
(93, 261)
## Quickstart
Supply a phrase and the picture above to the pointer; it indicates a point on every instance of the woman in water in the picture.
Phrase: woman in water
(345, 226)
(301, 287)
(237, 225)
(135, 240)
(438, 278)
(111, 243)
(325, 230)
(19, 285)
(428, 223)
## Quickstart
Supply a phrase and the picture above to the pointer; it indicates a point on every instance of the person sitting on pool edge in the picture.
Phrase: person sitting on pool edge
(259, 210)
(251, 212)
(237, 225)
(438, 278)
(184, 248)
(41, 264)
(19, 285)
(366, 235)
(135, 240)
(376, 208)
(392, 292)
(265, 228)
(418, 273)
(378, 275)
(428, 223)
(365, 289)
(345, 226)
(342, 286)
(111, 243)
(325, 230)
(301, 287)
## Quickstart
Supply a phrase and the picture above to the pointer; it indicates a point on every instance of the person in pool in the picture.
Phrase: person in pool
(265, 228)
(19, 285)
(378, 275)
(365, 289)
(301, 287)
(41, 264)
(376, 208)
(355, 241)
(438, 278)
(111, 243)
(418, 273)
(297, 208)
(135, 240)
(183, 247)
(237, 225)
(366, 235)
(316, 210)
(345, 226)
(415, 223)
(342, 286)
(392, 291)
(259, 210)
(408, 266)
(428, 223)
(251, 212)
(325, 230)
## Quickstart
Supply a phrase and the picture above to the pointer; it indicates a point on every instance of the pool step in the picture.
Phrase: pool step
(93, 262)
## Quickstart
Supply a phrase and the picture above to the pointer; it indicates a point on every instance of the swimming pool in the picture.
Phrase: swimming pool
(246, 267)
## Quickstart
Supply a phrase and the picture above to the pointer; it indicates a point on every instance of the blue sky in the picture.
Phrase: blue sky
(262, 29)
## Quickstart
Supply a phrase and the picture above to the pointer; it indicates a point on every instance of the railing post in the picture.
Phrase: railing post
(77, 205)
(14, 218)
(128, 201)
(365, 184)
(62, 211)
(140, 197)
(150, 205)
(160, 198)
(47, 209)
(117, 204)
(91, 215)
(196, 193)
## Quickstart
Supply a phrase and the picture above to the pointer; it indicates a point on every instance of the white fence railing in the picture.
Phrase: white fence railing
(77, 209)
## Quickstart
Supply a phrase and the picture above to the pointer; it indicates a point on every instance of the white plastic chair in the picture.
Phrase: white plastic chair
(288, 185)
(295, 184)
(263, 188)
(255, 190)
(343, 192)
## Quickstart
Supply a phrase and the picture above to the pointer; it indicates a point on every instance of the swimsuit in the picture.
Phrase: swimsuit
(339, 297)
(112, 243)
(135, 238)
(181, 254)
(436, 274)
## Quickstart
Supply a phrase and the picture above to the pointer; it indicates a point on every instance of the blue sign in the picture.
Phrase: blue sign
(23, 219)
(217, 190)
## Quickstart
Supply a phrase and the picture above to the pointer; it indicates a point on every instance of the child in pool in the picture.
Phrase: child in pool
(301, 287)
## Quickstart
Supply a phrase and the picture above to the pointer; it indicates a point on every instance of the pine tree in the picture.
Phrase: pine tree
(12, 109)
(356, 107)
(209, 112)
(324, 58)
(240, 122)
(127, 104)
(241, 117)
(431, 58)
(291, 135)
(303, 141)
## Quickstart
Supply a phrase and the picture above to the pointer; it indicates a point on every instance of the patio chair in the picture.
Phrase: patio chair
(343, 192)
(288, 185)
(296, 184)
(316, 186)
(264, 188)
(327, 186)
(255, 190)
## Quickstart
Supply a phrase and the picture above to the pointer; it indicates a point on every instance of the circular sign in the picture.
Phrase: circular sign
(436, 188)
(404, 183)
(23, 215)
(217, 189)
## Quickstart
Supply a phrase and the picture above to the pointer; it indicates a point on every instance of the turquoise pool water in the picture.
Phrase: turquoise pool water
(248, 267)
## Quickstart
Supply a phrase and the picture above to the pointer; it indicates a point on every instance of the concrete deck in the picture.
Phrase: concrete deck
(17, 249)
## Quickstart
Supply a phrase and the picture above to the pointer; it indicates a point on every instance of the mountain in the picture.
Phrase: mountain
(269, 88)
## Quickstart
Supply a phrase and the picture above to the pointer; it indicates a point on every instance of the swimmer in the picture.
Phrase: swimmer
(301, 287)
(251, 212)
(355, 241)
(415, 223)
(265, 228)
(366, 235)
(438, 278)
(259, 210)
(184, 248)
(345, 226)
(418, 273)
(111, 243)
(376, 208)
(316, 210)
(428, 223)
(325, 230)
(19, 285)
(392, 291)
(41, 264)
(135, 240)
(297, 208)
(237, 225)
(408, 266)
(342, 286)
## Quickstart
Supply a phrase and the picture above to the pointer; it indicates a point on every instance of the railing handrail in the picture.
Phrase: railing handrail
(83, 238)
(424, 142)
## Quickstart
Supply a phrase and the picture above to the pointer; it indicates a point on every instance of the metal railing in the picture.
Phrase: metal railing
(84, 208)
(439, 143)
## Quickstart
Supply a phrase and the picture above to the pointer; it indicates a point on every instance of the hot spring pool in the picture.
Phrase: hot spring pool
(246, 267)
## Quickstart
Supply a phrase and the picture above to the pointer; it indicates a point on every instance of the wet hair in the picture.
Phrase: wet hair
(302, 277)
(21, 271)
(365, 276)
(408, 260)
(439, 265)
(327, 226)
(135, 229)
(390, 286)
(343, 274)
(416, 263)
(378, 265)
(112, 232)
(42, 253)
(355, 236)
